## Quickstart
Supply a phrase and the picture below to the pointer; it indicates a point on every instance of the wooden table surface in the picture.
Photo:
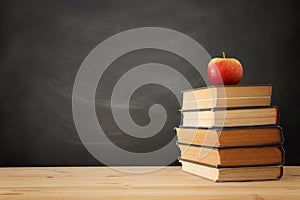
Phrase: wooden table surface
(106, 183)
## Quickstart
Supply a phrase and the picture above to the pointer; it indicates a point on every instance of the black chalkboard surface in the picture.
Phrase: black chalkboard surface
(43, 43)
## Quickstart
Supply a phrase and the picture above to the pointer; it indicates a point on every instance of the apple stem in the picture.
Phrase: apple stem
(223, 54)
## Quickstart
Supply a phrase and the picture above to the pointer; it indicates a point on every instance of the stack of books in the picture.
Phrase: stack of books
(231, 133)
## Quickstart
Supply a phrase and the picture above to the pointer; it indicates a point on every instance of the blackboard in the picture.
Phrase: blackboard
(43, 44)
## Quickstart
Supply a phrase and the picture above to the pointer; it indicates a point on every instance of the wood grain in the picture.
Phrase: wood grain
(106, 183)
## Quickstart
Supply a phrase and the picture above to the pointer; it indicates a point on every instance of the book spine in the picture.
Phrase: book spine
(277, 114)
(281, 172)
(281, 132)
(282, 154)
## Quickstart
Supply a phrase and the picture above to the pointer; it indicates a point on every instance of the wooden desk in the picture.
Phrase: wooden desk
(105, 183)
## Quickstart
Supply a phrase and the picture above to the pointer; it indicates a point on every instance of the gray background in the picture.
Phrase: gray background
(43, 43)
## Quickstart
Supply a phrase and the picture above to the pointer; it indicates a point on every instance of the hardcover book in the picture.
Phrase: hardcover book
(230, 117)
(256, 173)
(230, 136)
(233, 157)
(227, 96)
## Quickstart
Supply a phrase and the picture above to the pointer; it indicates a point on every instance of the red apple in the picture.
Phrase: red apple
(227, 71)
